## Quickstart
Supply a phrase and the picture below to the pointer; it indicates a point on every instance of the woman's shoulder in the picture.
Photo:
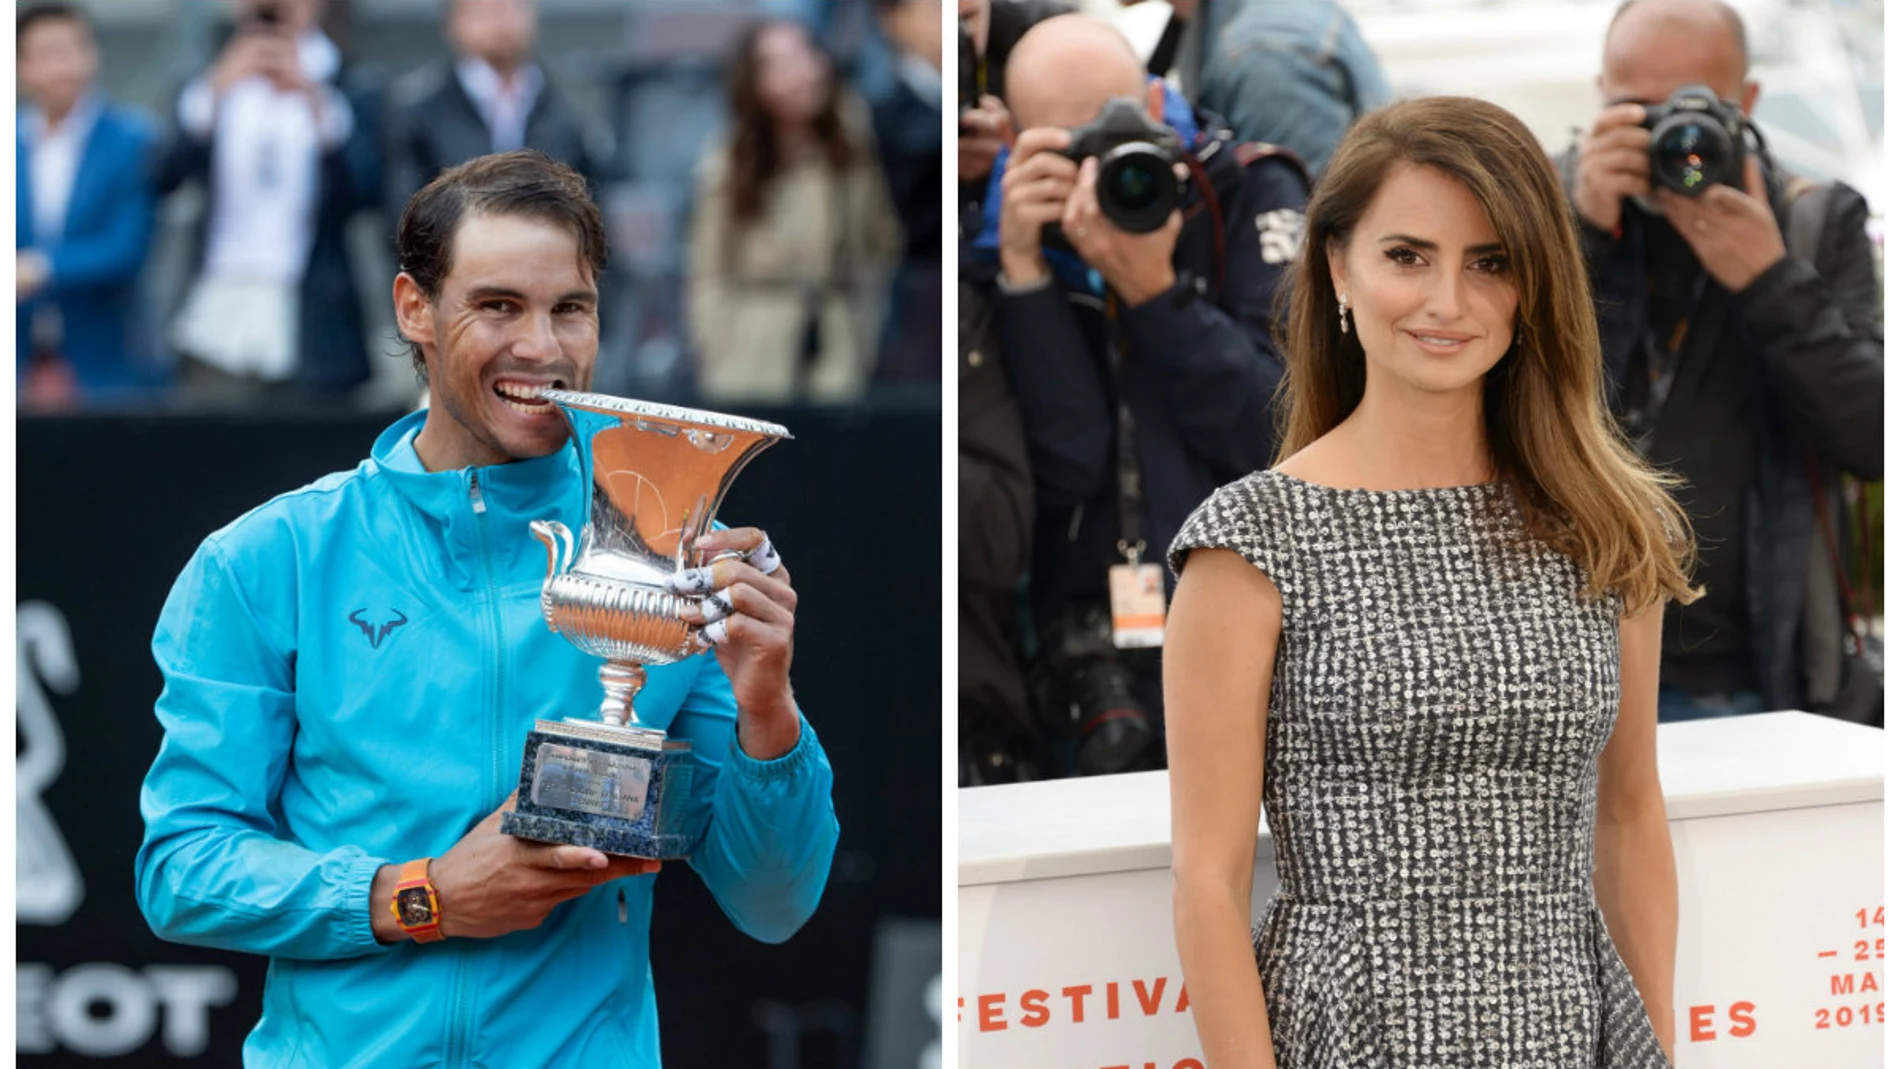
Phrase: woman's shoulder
(1249, 516)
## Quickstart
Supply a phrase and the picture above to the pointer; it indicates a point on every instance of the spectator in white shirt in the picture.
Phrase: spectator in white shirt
(491, 97)
(282, 133)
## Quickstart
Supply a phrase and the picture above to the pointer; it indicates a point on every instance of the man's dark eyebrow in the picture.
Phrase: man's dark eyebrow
(1432, 246)
(483, 293)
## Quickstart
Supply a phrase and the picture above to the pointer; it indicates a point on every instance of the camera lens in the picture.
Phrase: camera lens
(1137, 187)
(1689, 154)
(1133, 188)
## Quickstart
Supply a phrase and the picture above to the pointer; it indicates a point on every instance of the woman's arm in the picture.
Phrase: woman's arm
(1635, 863)
(1217, 668)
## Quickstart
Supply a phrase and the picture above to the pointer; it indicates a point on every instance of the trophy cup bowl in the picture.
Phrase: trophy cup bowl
(657, 474)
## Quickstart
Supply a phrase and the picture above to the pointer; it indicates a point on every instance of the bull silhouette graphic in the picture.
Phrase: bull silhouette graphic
(376, 633)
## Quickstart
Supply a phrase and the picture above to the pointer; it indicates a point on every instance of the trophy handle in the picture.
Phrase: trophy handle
(560, 542)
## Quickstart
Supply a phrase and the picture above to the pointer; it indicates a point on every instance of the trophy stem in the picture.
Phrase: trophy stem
(620, 681)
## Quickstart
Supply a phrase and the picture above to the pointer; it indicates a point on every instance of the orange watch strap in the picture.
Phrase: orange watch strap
(416, 874)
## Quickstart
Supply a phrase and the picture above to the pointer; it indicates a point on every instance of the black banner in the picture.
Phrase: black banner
(110, 509)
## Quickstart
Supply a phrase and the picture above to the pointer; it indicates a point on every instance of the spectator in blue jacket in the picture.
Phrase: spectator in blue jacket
(351, 671)
(1143, 363)
(1291, 72)
(83, 215)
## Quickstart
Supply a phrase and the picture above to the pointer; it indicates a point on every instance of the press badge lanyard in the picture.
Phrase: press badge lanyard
(1662, 362)
(1137, 600)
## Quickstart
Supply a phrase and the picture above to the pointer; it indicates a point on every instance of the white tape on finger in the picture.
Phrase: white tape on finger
(763, 556)
(717, 605)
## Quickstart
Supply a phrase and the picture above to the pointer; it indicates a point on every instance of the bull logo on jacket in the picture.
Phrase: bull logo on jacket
(376, 633)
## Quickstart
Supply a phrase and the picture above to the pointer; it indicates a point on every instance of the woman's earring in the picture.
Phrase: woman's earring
(1520, 334)
(1342, 318)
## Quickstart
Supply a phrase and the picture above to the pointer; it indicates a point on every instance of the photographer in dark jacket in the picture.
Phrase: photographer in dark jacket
(1142, 362)
(1753, 375)
(997, 741)
(987, 31)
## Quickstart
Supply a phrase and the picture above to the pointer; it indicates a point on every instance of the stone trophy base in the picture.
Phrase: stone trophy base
(619, 790)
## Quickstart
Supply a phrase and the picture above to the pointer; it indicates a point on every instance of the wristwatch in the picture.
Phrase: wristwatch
(415, 905)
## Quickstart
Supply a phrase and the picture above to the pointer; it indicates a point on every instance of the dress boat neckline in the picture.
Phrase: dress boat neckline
(1461, 490)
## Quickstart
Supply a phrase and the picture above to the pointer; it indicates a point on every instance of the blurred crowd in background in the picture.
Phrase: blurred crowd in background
(208, 191)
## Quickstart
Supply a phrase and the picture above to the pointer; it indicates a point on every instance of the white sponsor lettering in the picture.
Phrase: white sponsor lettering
(932, 1057)
(106, 1010)
(46, 883)
(1281, 232)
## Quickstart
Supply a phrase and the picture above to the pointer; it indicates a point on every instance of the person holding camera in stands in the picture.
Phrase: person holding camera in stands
(1735, 358)
(281, 134)
(1137, 251)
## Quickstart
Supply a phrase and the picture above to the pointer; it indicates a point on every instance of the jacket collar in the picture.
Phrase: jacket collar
(510, 495)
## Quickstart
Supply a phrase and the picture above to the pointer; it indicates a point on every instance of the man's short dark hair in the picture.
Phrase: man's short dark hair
(48, 11)
(1727, 11)
(523, 183)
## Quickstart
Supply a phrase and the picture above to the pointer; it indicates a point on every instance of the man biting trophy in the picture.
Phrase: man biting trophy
(354, 671)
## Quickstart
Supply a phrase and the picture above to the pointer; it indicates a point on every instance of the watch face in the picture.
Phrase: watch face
(412, 905)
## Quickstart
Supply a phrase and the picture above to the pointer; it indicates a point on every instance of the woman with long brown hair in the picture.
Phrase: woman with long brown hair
(1432, 632)
(794, 238)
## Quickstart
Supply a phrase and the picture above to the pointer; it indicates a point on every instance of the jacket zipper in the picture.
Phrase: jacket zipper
(497, 773)
(464, 1014)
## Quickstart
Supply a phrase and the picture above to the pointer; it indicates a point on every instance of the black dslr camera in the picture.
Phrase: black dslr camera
(1136, 185)
(1696, 142)
(1088, 694)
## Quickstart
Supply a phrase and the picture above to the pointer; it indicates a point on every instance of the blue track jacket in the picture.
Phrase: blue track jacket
(351, 671)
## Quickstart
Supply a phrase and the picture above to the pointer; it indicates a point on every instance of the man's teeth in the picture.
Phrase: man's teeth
(521, 398)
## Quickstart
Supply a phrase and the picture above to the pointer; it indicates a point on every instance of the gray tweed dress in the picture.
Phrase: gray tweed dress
(1439, 700)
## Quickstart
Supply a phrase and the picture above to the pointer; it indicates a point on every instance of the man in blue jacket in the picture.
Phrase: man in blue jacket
(83, 218)
(352, 668)
(1144, 363)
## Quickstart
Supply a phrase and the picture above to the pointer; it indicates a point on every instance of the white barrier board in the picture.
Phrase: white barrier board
(1066, 954)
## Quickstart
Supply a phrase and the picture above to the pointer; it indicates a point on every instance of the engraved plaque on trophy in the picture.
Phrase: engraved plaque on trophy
(656, 475)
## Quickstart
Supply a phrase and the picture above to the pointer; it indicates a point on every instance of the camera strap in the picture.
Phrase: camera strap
(1662, 362)
(1217, 175)
(1208, 178)
(1136, 597)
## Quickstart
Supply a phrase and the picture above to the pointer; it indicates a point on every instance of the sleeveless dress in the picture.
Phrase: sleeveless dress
(1439, 699)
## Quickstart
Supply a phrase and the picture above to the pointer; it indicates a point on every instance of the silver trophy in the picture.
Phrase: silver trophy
(658, 476)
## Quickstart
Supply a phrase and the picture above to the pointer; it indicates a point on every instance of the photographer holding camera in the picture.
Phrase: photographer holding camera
(987, 31)
(1736, 359)
(1137, 251)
